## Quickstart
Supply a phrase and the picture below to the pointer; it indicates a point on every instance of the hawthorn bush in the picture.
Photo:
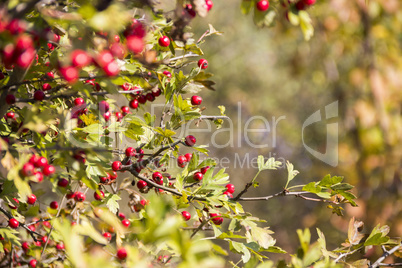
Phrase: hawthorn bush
(92, 177)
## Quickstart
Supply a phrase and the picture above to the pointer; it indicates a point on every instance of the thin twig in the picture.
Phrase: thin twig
(343, 255)
(386, 254)
(51, 228)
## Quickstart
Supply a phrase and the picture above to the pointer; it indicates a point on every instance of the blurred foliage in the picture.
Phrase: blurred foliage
(354, 57)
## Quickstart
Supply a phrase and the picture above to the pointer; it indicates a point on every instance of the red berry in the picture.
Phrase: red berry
(16, 201)
(54, 205)
(186, 215)
(41, 162)
(118, 50)
(119, 116)
(79, 197)
(70, 195)
(31, 199)
(228, 194)
(126, 222)
(27, 170)
(60, 246)
(32, 263)
(113, 176)
(262, 5)
(121, 215)
(99, 196)
(49, 170)
(300, 5)
(24, 245)
(116, 38)
(10, 99)
(130, 151)
(198, 176)
(167, 73)
(107, 235)
(142, 99)
(39, 95)
(309, 2)
(157, 92)
(103, 106)
(135, 44)
(203, 63)
(116, 165)
(111, 69)
(105, 179)
(209, 4)
(133, 104)
(190, 140)
(140, 153)
(104, 58)
(62, 183)
(13, 223)
(121, 254)
(10, 115)
(50, 75)
(230, 188)
(158, 178)
(125, 110)
(188, 157)
(25, 58)
(190, 10)
(181, 161)
(196, 100)
(70, 74)
(38, 176)
(80, 58)
(141, 184)
(79, 102)
(164, 41)
(46, 87)
(150, 97)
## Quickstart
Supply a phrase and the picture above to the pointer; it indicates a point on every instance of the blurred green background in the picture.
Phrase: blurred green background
(355, 58)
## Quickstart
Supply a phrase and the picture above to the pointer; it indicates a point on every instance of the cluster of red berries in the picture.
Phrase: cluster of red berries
(263, 5)
(37, 166)
(190, 12)
(140, 97)
(20, 51)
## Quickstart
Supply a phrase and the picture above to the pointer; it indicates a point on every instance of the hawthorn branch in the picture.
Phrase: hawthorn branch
(386, 254)
(15, 85)
(182, 57)
(212, 117)
(282, 193)
(391, 264)
(67, 96)
(31, 233)
(343, 255)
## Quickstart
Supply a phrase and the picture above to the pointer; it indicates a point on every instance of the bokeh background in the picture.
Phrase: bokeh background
(355, 58)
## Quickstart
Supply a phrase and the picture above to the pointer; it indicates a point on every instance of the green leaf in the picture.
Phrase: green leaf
(9, 235)
(270, 164)
(240, 248)
(350, 197)
(201, 149)
(305, 25)
(312, 188)
(87, 229)
(111, 202)
(304, 237)
(94, 129)
(376, 240)
(378, 236)
(291, 172)
(246, 6)
(264, 19)
(328, 181)
(342, 187)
